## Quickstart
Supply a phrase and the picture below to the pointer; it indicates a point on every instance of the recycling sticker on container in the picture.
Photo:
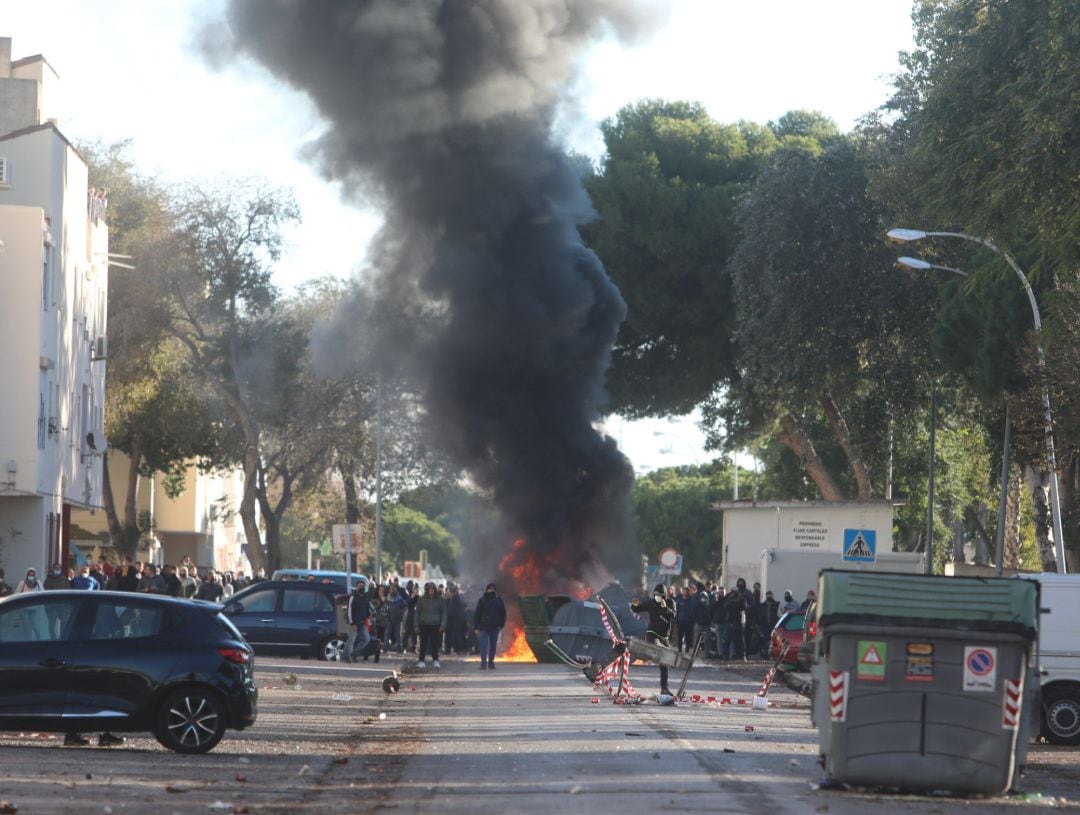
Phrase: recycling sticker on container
(980, 668)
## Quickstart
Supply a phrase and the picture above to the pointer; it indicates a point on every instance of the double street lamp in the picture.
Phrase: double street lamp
(902, 236)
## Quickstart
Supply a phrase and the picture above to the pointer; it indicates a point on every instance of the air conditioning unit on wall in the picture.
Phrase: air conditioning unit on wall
(101, 349)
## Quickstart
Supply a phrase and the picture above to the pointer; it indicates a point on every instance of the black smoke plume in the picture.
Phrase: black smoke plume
(440, 113)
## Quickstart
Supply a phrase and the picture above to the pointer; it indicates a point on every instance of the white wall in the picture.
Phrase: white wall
(797, 571)
(809, 527)
(48, 188)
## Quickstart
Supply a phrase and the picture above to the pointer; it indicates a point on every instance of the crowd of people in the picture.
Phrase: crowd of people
(733, 624)
(182, 580)
(444, 618)
(424, 621)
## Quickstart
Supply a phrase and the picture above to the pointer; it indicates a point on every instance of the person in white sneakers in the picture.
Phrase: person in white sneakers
(431, 620)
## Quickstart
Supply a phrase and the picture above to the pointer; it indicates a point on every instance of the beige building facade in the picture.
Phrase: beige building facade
(201, 523)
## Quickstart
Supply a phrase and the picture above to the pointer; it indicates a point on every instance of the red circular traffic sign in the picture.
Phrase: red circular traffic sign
(980, 662)
(668, 558)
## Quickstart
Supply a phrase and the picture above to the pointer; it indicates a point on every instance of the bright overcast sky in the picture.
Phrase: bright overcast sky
(128, 69)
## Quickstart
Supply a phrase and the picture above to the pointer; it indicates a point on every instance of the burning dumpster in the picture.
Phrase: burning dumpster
(575, 626)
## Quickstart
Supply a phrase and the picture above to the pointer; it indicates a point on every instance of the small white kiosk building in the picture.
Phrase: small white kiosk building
(784, 544)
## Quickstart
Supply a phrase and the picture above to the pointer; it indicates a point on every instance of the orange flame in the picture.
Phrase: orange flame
(526, 570)
(530, 573)
(519, 650)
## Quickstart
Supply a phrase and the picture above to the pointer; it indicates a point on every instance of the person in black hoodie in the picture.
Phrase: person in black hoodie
(661, 611)
(488, 620)
(357, 615)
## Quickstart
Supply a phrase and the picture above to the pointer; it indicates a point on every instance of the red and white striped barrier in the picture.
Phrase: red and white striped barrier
(1010, 717)
(775, 666)
(617, 671)
(838, 695)
(757, 701)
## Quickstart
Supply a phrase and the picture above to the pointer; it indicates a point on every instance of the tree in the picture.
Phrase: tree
(366, 393)
(673, 507)
(212, 274)
(665, 196)
(152, 411)
(824, 327)
(984, 143)
(407, 531)
(987, 105)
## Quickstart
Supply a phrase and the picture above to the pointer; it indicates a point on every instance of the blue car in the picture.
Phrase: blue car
(318, 576)
(291, 618)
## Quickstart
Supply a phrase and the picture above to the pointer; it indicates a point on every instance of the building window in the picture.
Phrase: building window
(5, 172)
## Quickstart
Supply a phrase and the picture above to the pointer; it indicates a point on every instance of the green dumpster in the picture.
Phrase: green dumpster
(925, 683)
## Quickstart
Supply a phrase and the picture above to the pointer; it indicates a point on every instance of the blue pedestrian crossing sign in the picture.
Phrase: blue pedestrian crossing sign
(860, 545)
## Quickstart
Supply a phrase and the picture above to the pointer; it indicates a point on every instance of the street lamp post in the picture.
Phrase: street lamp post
(999, 547)
(690, 450)
(378, 479)
(902, 236)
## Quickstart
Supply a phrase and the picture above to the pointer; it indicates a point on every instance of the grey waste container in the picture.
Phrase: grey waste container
(924, 683)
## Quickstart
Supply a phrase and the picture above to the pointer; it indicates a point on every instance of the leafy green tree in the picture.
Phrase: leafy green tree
(673, 507)
(983, 142)
(805, 128)
(467, 514)
(153, 410)
(665, 195)
(212, 275)
(987, 104)
(824, 326)
(406, 532)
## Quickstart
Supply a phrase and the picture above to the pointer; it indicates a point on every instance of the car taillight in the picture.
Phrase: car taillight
(811, 629)
(238, 655)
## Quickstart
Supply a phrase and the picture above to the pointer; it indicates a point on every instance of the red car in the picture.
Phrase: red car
(789, 627)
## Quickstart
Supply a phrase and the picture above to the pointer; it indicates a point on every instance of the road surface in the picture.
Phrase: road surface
(524, 738)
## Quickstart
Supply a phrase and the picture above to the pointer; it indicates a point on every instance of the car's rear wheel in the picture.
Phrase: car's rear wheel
(191, 720)
(1061, 715)
(332, 649)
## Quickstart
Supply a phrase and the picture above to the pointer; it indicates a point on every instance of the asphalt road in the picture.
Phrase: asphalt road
(522, 739)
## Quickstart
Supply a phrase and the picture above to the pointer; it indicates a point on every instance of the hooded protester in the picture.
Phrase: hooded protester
(661, 611)
(358, 614)
(56, 579)
(488, 620)
(29, 583)
(431, 620)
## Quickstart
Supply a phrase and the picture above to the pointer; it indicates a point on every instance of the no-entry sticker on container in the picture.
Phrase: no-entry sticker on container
(870, 662)
(920, 662)
(980, 668)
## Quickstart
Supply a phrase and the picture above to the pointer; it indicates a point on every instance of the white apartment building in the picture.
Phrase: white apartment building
(54, 284)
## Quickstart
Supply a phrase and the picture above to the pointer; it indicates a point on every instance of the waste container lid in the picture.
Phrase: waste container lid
(878, 596)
